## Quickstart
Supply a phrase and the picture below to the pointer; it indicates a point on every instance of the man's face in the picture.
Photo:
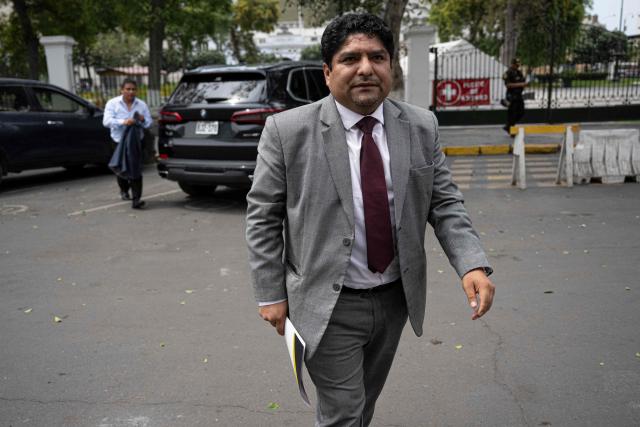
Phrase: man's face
(128, 92)
(360, 74)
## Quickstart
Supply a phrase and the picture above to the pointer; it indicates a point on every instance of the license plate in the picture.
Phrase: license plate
(207, 128)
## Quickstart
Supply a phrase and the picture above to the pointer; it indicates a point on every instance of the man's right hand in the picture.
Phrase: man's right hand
(275, 314)
(129, 122)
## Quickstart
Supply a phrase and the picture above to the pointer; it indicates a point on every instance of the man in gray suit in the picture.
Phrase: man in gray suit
(336, 218)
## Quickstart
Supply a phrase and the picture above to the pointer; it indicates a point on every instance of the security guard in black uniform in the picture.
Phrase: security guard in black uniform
(515, 82)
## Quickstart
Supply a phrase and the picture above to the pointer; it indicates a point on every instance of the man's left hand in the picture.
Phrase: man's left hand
(479, 291)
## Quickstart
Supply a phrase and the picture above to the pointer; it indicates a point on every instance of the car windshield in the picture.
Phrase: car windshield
(223, 88)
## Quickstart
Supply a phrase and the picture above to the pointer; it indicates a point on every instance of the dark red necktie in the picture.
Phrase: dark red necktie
(377, 219)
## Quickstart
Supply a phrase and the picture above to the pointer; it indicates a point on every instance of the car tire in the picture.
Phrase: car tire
(197, 190)
(2, 170)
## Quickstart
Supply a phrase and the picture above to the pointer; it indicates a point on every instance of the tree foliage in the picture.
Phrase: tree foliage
(598, 45)
(250, 16)
(477, 21)
(545, 28)
(311, 53)
(192, 24)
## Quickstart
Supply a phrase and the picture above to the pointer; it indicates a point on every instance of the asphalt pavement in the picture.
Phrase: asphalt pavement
(111, 317)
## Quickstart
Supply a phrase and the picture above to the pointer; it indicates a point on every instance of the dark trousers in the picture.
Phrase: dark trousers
(125, 184)
(516, 111)
(134, 184)
(354, 357)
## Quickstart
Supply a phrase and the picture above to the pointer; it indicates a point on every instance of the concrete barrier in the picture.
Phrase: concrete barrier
(609, 155)
(518, 171)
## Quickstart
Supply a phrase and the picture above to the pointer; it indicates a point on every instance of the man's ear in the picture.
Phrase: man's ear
(327, 73)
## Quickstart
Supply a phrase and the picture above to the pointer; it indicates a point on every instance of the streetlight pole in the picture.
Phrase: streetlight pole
(621, 9)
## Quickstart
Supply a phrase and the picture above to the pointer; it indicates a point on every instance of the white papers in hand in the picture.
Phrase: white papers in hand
(296, 347)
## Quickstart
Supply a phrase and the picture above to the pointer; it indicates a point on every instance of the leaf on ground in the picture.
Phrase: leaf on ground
(273, 406)
(440, 271)
(627, 288)
(59, 279)
(638, 354)
(435, 341)
(565, 252)
(28, 310)
(548, 292)
(205, 360)
(183, 302)
(188, 291)
(56, 319)
(224, 271)
(458, 347)
(601, 363)
(162, 345)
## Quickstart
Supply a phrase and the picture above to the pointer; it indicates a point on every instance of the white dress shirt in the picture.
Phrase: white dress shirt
(116, 113)
(358, 275)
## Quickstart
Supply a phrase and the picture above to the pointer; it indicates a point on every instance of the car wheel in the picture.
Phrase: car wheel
(197, 190)
(2, 171)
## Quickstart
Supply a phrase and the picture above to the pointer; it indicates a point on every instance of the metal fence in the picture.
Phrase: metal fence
(99, 84)
(465, 78)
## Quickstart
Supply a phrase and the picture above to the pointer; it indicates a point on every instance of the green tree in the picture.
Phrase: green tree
(250, 16)
(550, 28)
(311, 53)
(117, 49)
(196, 21)
(598, 45)
(543, 29)
(81, 19)
(477, 21)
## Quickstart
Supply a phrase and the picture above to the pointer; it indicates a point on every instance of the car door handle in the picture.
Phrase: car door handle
(55, 122)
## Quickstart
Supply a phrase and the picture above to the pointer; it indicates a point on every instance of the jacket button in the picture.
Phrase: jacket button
(336, 287)
(346, 241)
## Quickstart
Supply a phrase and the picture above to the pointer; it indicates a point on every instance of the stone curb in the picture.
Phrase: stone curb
(488, 150)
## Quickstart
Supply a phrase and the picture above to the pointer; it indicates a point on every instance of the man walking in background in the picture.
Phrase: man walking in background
(122, 113)
(336, 217)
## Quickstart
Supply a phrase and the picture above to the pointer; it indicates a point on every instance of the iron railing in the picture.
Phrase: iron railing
(568, 85)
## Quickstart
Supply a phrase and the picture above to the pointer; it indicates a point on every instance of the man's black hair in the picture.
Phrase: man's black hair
(128, 81)
(343, 26)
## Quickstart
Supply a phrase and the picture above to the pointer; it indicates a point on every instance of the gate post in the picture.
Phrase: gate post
(59, 50)
(417, 90)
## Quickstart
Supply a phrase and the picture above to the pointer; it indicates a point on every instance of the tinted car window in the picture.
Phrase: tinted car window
(237, 88)
(317, 87)
(13, 98)
(56, 102)
(297, 85)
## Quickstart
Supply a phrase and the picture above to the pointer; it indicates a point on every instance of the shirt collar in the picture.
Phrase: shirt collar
(135, 100)
(351, 118)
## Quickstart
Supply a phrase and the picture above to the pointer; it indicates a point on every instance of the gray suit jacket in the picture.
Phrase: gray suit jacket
(300, 222)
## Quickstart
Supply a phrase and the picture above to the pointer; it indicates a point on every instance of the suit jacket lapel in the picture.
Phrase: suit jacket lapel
(399, 142)
(335, 148)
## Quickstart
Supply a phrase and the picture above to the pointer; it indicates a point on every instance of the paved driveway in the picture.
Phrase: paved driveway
(111, 317)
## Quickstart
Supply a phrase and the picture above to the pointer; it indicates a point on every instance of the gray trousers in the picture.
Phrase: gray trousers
(354, 357)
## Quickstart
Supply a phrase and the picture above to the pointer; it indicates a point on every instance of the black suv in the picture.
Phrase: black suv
(210, 127)
(42, 126)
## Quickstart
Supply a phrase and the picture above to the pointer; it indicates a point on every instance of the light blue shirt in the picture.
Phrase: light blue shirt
(116, 112)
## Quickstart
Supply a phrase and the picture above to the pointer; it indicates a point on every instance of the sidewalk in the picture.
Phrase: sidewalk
(492, 139)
